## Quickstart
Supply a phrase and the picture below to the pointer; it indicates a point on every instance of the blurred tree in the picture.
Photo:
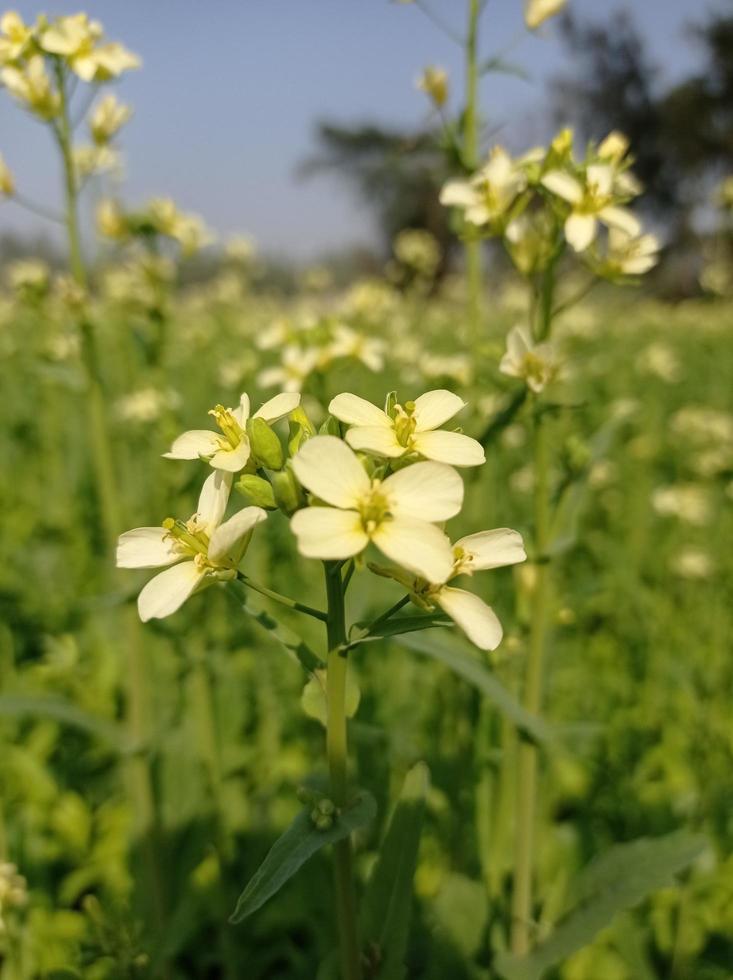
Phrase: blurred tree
(398, 174)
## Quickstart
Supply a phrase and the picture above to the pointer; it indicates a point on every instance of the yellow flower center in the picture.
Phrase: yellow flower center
(404, 423)
(373, 508)
(233, 432)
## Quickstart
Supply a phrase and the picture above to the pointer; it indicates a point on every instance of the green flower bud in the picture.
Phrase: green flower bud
(330, 427)
(256, 491)
(288, 494)
(301, 429)
(266, 446)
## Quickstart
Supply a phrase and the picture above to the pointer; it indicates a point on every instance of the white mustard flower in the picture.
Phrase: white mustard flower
(591, 202)
(631, 255)
(487, 196)
(230, 450)
(200, 550)
(409, 428)
(397, 514)
(533, 363)
(296, 364)
(349, 343)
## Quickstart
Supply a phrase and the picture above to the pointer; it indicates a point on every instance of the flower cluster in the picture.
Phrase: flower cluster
(547, 198)
(35, 56)
(370, 477)
(159, 219)
(13, 890)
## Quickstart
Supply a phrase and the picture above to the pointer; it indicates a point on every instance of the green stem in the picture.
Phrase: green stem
(470, 157)
(389, 614)
(336, 747)
(524, 850)
(283, 599)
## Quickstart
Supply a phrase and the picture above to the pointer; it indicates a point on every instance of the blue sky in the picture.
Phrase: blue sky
(229, 92)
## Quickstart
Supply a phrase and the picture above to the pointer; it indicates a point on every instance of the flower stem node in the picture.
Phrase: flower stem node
(324, 813)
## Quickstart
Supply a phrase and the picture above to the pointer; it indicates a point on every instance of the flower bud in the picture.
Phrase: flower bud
(288, 494)
(330, 427)
(434, 83)
(301, 429)
(266, 446)
(256, 491)
(7, 184)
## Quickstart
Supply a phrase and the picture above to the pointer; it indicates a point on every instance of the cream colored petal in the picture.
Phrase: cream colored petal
(167, 592)
(146, 547)
(419, 547)
(434, 408)
(328, 533)
(453, 448)
(457, 194)
(621, 218)
(493, 549)
(328, 468)
(358, 411)
(580, 230)
(241, 412)
(227, 536)
(278, 407)
(232, 460)
(194, 445)
(375, 439)
(425, 491)
(518, 342)
(562, 184)
(477, 620)
(213, 500)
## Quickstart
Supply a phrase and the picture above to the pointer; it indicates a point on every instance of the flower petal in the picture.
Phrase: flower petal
(419, 547)
(493, 549)
(434, 408)
(232, 460)
(375, 439)
(328, 533)
(453, 448)
(279, 406)
(194, 444)
(227, 536)
(213, 500)
(241, 412)
(477, 620)
(167, 592)
(580, 230)
(328, 468)
(621, 218)
(458, 194)
(562, 184)
(358, 411)
(146, 547)
(426, 491)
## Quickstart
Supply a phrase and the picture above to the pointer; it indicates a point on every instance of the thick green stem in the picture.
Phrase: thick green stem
(524, 850)
(336, 747)
(470, 157)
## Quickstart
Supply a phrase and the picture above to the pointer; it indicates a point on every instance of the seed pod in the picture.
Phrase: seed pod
(256, 491)
(266, 446)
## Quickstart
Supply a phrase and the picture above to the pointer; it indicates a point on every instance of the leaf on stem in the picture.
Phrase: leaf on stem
(464, 663)
(613, 882)
(299, 842)
(290, 641)
(385, 914)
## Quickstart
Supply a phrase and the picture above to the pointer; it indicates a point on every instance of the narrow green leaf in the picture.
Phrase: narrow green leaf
(299, 842)
(613, 882)
(467, 666)
(385, 915)
(286, 638)
(500, 66)
(17, 706)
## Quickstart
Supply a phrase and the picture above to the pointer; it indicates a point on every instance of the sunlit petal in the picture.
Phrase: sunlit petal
(328, 468)
(146, 547)
(426, 491)
(477, 620)
(434, 408)
(417, 546)
(493, 549)
(227, 536)
(453, 448)
(194, 444)
(328, 533)
(167, 592)
(358, 411)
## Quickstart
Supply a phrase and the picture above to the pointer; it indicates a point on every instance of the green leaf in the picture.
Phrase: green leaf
(500, 66)
(286, 638)
(613, 882)
(299, 842)
(313, 698)
(385, 914)
(17, 706)
(461, 910)
(466, 665)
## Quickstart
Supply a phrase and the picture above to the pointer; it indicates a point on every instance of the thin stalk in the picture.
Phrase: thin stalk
(470, 158)
(524, 849)
(96, 407)
(400, 604)
(282, 599)
(337, 751)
